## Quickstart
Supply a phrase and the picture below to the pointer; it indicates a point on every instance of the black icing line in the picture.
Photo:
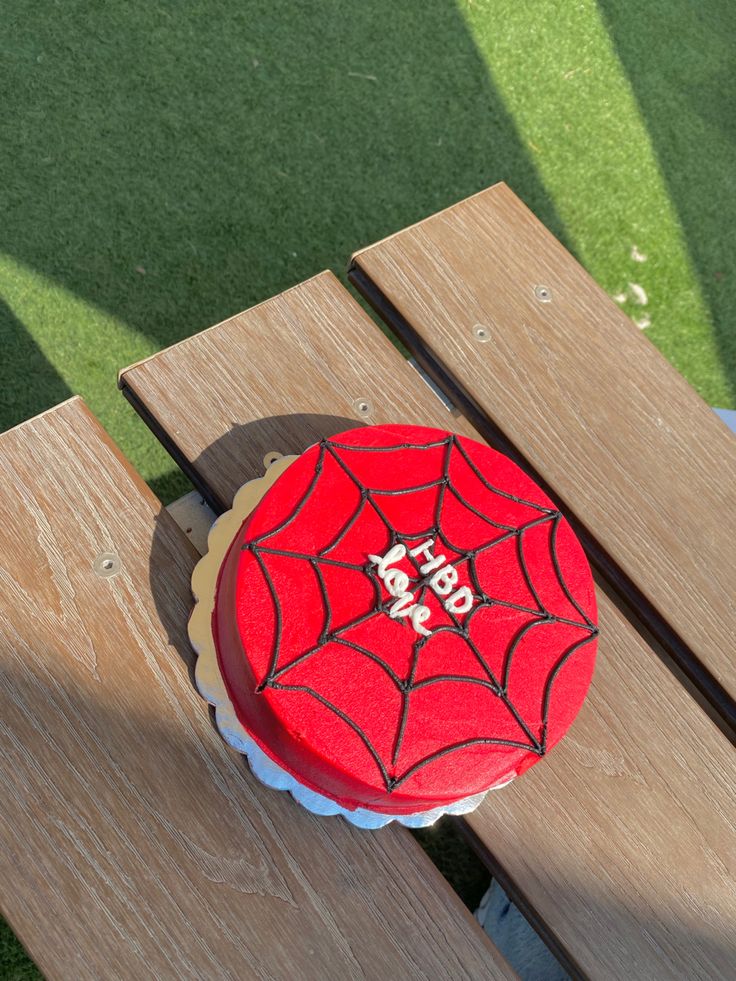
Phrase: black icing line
(278, 618)
(525, 572)
(341, 715)
(560, 577)
(510, 497)
(484, 517)
(344, 531)
(409, 687)
(390, 449)
(327, 627)
(485, 740)
(297, 510)
(553, 677)
(407, 490)
(460, 678)
(355, 566)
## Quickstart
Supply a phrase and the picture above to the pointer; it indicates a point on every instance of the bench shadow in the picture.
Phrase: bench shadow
(193, 765)
(238, 456)
(29, 383)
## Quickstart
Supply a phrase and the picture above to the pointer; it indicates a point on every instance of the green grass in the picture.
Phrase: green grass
(163, 166)
(15, 965)
(630, 119)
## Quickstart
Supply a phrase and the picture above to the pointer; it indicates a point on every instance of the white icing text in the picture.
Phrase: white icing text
(442, 583)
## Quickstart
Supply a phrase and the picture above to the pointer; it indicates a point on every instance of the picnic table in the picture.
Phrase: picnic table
(136, 844)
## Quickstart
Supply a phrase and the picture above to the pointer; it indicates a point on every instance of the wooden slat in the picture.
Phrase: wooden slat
(587, 401)
(310, 352)
(133, 843)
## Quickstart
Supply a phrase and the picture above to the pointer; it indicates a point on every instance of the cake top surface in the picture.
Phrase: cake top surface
(416, 612)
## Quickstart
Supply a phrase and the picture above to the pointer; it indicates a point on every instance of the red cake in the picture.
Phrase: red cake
(404, 620)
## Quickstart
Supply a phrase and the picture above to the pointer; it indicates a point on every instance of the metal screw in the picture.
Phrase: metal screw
(270, 458)
(106, 565)
(481, 333)
(543, 294)
(363, 406)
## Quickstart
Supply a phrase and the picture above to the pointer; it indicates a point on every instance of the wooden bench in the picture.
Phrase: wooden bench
(620, 847)
(133, 842)
(639, 853)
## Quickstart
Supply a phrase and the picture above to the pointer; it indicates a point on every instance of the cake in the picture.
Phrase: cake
(400, 620)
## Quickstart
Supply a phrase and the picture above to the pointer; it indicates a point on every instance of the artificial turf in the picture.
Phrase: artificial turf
(163, 166)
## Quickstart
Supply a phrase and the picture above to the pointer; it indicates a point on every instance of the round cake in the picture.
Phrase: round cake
(404, 620)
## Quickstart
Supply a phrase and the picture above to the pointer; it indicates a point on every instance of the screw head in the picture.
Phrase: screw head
(481, 333)
(363, 406)
(543, 294)
(106, 565)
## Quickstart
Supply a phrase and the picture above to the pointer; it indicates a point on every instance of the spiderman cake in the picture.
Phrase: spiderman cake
(393, 623)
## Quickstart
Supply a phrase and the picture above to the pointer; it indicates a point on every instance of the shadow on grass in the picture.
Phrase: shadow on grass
(28, 382)
(174, 165)
(679, 60)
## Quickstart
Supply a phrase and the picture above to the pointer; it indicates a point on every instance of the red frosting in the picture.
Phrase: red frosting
(378, 714)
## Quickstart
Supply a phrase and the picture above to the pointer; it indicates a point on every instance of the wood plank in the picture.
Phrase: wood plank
(619, 782)
(582, 395)
(133, 843)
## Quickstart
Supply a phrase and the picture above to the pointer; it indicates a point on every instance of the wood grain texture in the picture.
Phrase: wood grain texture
(133, 844)
(587, 401)
(630, 774)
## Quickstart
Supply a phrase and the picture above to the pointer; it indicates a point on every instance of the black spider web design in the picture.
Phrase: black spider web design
(421, 583)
